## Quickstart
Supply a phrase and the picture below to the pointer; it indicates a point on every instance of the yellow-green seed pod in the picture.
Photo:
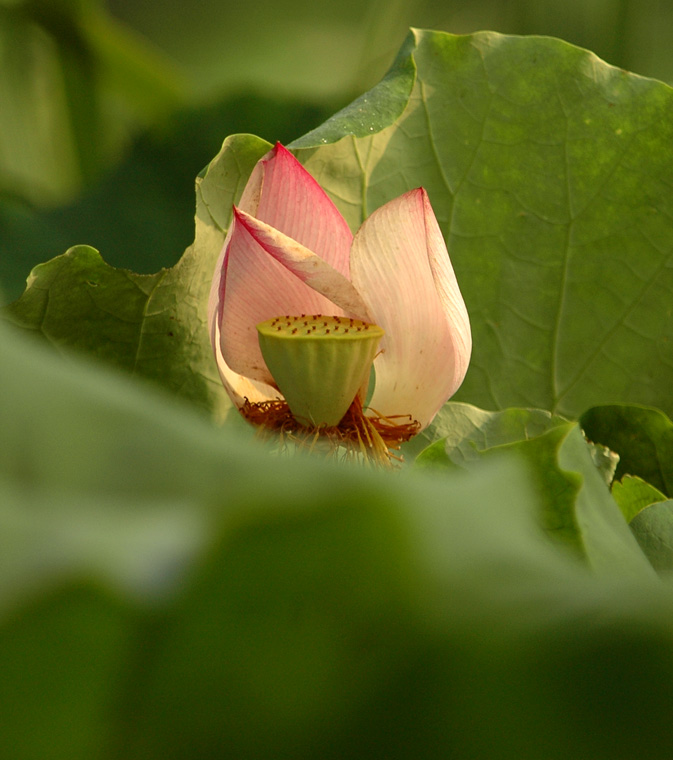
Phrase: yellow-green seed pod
(319, 363)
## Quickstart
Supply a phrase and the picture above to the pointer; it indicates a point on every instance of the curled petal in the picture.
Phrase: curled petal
(238, 387)
(281, 193)
(308, 268)
(253, 286)
(400, 266)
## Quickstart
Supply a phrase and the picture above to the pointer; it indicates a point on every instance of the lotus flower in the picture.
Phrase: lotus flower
(290, 261)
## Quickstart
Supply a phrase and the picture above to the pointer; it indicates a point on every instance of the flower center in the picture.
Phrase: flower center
(319, 363)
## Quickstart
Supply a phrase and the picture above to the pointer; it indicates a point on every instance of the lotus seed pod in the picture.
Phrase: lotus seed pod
(319, 363)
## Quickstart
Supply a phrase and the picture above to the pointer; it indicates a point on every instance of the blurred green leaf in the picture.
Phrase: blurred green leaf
(642, 437)
(311, 49)
(633, 494)
(64, 658)
(653, 529)
(38, 157)
(73, 82)
(323, 611)
(103, 480)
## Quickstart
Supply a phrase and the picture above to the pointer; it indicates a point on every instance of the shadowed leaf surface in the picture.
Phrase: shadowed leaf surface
(642, 437)
(633, 494)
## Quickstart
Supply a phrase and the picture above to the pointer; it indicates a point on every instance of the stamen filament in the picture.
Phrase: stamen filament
(372, 436)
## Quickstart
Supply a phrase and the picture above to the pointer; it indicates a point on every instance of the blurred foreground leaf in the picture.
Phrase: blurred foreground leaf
(311, 610)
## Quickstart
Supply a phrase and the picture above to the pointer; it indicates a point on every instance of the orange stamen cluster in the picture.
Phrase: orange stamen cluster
(373, 436)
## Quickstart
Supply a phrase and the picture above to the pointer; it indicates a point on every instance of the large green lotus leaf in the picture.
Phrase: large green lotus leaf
(642, 437)
(548, 171)
(153, 326)
(653, 529)
(289, 607)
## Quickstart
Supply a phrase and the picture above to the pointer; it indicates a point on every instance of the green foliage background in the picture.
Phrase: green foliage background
(170, 589)
(87, 86)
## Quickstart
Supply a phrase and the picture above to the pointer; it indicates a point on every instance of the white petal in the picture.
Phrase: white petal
(400, 266)
(237, 386)
(252, 287)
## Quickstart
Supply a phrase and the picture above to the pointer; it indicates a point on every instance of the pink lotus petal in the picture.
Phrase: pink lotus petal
(400, 265)
(285, 196)
(253, 287)
(237, 386)
(342, 297)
